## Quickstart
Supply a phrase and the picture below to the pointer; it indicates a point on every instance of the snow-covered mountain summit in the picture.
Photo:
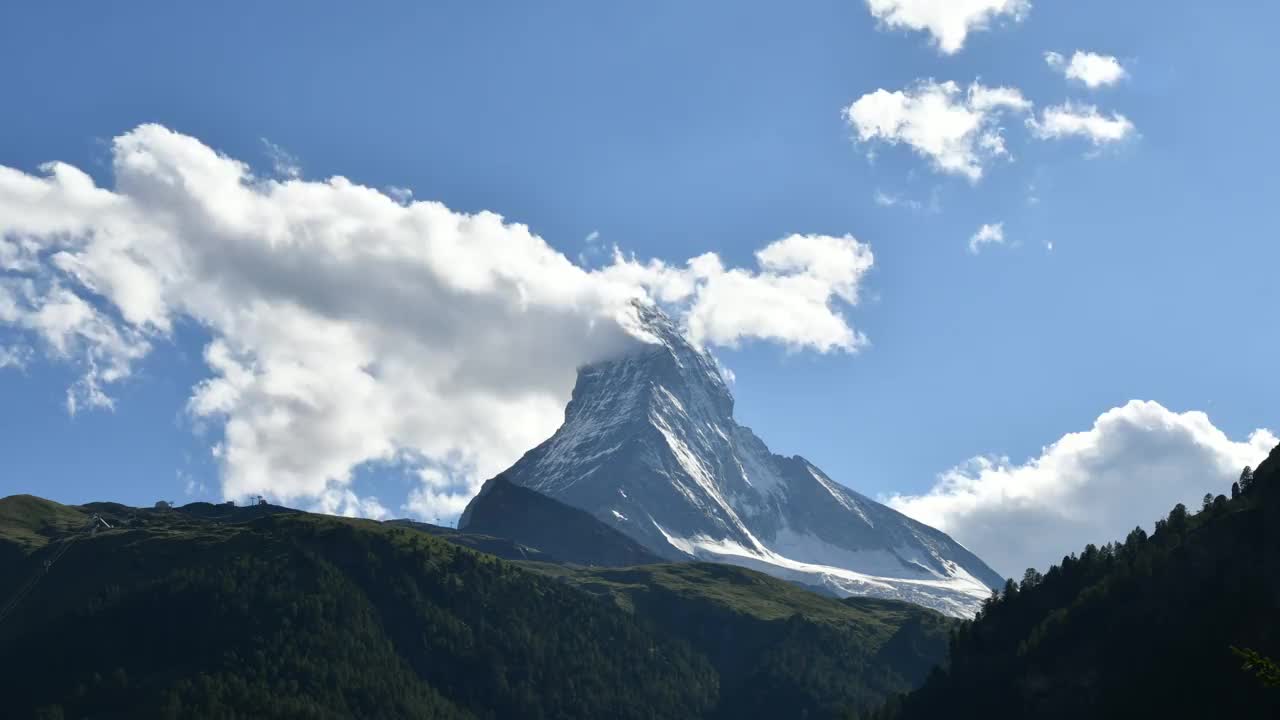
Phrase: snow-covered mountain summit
(649, 445)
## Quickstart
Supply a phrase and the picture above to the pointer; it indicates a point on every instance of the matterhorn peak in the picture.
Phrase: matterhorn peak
(649, 445)
(664, 358)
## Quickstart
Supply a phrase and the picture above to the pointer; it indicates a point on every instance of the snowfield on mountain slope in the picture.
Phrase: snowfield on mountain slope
(959, 595)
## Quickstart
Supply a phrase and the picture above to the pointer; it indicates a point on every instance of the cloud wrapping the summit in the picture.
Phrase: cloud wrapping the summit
(347, 326)
(778, 303)
(1135, 463)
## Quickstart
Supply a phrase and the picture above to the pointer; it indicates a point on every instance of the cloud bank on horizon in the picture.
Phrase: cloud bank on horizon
(348, 326)
(1093, 486)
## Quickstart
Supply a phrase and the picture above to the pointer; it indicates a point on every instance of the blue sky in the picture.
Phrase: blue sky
(674, 129)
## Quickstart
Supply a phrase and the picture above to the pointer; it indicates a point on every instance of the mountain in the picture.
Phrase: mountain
(1160, 626)
(565, 533)
(649, 446)
(252, 612)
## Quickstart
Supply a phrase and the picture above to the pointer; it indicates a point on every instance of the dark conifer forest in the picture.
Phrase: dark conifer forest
(1180, 623)
(209, 612)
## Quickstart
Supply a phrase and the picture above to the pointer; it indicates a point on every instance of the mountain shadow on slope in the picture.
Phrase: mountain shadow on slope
(567, 534)
(1144, 627)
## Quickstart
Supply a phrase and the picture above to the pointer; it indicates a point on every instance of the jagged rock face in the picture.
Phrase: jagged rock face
(649, 446)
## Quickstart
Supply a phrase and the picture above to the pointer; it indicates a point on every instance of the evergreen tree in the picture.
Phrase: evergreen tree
(1010, 589)
(1031, 578)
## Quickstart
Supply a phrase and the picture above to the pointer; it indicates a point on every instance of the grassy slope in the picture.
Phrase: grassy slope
(28, 521)
(498, 546)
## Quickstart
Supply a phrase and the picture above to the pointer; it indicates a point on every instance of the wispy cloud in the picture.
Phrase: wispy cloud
(283, 163)
(987, 235)
(13, 357)
(1085, 121)
(891, 200)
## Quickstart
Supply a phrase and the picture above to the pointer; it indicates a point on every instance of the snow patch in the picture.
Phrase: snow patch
(958, 596)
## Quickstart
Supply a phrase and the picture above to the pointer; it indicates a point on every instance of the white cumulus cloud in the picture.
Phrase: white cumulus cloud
(1075, 120)
(957, 130)
(1094, 486)
(986, 235)
(350, 327)
(948, 21)
(1090, 68)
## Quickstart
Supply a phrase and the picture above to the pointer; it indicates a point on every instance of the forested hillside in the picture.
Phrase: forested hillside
(270, 614)
(1150, 626)
(780, 651)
